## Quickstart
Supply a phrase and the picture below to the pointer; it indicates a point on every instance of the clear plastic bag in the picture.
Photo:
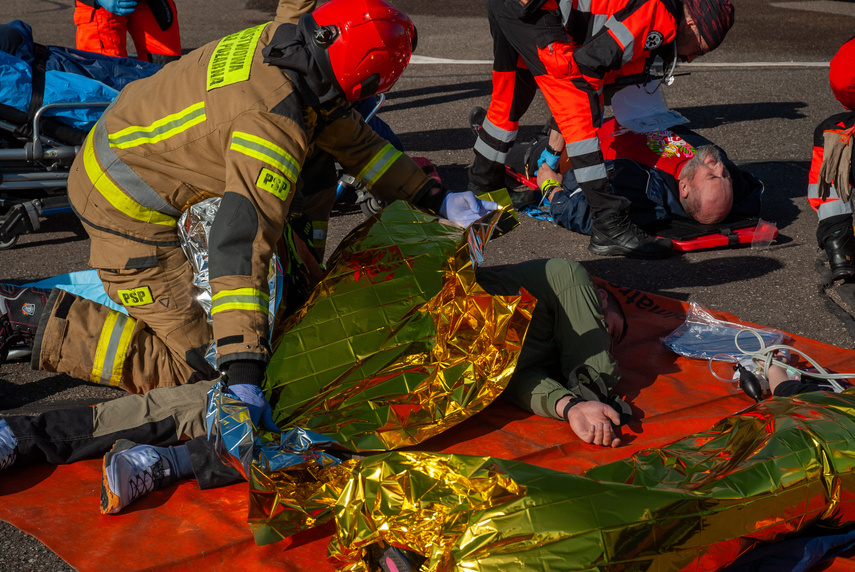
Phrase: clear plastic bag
(703, 336)
(764, 234)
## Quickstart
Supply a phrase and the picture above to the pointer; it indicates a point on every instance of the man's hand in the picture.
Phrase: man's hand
(592, 422)
(118, 7)
(256, 403)
(465, 208)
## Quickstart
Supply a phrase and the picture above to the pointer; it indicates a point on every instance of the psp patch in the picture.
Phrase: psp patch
(136, 297)
(273, 183)
(653, 41)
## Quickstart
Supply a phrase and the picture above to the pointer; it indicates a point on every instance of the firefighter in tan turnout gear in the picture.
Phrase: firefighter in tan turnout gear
(233, 119)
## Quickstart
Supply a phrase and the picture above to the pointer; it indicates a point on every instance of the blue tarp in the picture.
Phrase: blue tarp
(70, 76)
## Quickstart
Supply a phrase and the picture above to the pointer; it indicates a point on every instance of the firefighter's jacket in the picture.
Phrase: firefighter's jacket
(221, 122)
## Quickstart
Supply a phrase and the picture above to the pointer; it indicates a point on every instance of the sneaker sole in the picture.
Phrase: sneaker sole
(110, 501)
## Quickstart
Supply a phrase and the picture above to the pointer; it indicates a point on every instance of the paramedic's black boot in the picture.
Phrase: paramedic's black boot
(840, 247)
(20, 310)
(613, 234)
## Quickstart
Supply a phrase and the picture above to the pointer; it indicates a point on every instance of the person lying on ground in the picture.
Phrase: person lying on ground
(666, 175)
(785, 382)
(565, 371)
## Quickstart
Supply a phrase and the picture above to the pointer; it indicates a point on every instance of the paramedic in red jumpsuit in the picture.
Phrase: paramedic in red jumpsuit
(103, 26)
(832, 140)
(570, 50)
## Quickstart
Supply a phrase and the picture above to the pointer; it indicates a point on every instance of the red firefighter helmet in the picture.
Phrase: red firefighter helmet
(841, 74)
(367, 43)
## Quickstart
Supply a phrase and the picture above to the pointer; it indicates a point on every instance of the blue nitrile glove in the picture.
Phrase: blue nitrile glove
(118, 7)
(465, 208)
(547, 157)
(256, 403)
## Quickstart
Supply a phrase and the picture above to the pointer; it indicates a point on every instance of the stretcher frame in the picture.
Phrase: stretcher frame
(34, 170)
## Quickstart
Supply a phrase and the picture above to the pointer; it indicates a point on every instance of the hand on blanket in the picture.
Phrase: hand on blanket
(592, 423)
(256, 403)
(465, 208)
(118, 7)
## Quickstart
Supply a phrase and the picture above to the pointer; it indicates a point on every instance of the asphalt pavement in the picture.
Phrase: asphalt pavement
(759, 96)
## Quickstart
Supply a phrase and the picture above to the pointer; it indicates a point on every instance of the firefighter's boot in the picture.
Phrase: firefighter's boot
(20, 310)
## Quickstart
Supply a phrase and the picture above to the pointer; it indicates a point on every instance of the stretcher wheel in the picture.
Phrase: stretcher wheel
(9, 243)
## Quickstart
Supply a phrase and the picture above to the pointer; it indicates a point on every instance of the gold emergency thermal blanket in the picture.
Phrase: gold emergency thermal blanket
(695, 504)
(396, 344)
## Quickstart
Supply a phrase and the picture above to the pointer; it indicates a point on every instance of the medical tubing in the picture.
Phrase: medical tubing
(764, 355)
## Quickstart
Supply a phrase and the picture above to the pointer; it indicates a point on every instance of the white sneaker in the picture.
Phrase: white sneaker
(129, 472)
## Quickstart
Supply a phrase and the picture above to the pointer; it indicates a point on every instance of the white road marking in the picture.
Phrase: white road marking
(449, 61)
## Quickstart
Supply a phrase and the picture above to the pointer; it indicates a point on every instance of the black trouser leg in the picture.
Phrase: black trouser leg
(209, 470)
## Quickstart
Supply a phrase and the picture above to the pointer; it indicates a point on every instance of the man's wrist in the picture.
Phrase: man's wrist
(552, 151)
(549, 184)
(433, 198)
(244, 372)
(564, 410)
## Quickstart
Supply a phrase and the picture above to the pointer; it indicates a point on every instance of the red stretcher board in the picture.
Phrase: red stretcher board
(181, 527)
(689, 235)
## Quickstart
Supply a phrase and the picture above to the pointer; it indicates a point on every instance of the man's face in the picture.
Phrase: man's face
(714, 189)
(690, 44)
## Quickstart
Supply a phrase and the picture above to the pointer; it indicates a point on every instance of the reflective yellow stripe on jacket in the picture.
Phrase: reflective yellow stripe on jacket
(115, 195)
(266, 152)
(240, 299)
(378, 165)
(161, 129)
(112, 349)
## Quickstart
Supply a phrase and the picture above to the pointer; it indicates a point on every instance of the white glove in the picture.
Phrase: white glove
(465, 208)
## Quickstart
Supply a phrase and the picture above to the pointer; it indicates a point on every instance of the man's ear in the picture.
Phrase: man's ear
(604, 300)
(683, 184)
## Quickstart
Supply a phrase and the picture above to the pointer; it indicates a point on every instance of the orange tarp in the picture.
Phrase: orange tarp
(181, 526)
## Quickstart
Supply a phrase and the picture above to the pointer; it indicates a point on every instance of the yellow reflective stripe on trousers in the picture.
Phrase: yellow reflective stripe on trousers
(240, 299)
(161, 129)
(266, 152)
(112, 349)
(115, 195)
(381, 162)
(319, 233)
